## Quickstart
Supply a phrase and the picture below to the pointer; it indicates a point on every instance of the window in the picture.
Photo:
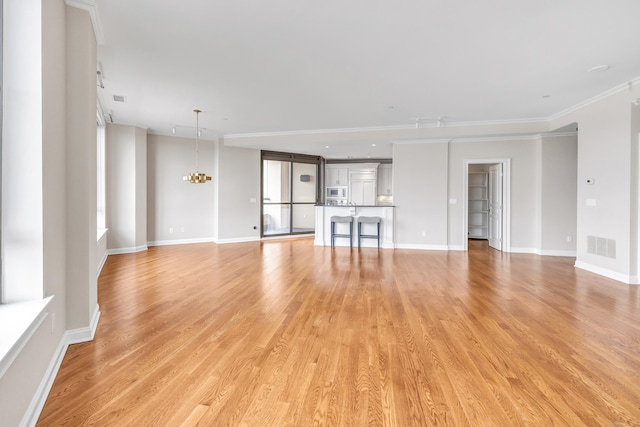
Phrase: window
(1, 84)
(290, 189)
(100, 181)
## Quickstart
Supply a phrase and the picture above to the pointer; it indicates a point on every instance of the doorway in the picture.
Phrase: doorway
(487, 202)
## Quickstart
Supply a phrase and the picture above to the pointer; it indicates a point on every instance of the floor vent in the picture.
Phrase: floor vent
(601, 246)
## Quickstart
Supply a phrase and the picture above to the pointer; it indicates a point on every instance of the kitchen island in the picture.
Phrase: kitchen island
(323, 225)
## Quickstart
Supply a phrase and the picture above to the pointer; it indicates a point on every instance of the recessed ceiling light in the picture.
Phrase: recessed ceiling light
(546, 96)
(326, 146)
(373, 145)
(598, 69)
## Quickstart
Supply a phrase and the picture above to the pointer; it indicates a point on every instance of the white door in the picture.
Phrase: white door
(495, 206)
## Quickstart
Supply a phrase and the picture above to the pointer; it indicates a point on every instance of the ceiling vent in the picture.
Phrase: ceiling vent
(118, 98)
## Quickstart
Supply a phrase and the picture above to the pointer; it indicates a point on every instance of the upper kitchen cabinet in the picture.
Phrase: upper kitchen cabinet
(385, 179)
(336, 176)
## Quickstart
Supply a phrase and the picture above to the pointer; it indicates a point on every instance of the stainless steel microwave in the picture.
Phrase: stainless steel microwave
(337, 192)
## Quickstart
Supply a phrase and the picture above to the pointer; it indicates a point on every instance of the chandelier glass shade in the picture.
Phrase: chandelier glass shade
(197, 177)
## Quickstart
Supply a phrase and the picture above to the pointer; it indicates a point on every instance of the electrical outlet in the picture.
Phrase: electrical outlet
(182, 229)
(569, 239)
(424, 234)
(170, 229)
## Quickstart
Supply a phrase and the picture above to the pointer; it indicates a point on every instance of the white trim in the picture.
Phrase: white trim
(599, 97)
(18, 331)
(557, 134)
(422, 141)
(76, 336)
(532, 251)
(127, 250)
(456, 248)
(34, 409)
(548, 119)
(287, 236)
(181, 242)
(242, 240)
(91, 7)
(506, 199)
(629, 280)
(422, 247)
(102, 262)
(572, 254)
(102, 233)
(385, 128)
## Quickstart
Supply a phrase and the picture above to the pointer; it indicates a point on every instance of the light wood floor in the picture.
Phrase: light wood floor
(283, 333)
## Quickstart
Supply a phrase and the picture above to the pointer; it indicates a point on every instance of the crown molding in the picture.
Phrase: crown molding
(557, 134)
(385, 128)
(91, 7)
(595, 99)
(316, 131)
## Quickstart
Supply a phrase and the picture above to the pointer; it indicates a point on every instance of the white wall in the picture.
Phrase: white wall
(420, 195)
(523, 187)
(67, 50)
(607, 145)
(428, 175)
(238, 185)
(175, 204)
(126, 188)
(141, 187)
(558, 194)
(81, 169)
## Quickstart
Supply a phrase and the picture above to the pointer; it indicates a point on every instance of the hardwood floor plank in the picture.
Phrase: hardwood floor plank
(283, 333)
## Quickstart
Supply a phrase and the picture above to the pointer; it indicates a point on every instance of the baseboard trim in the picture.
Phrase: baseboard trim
(181, 241)
(627, 279)
(422, 247)
(571, 254)
(40, 398)
(76, 336)
(236, 240)
(131, 250)
(73, 336)
(533, 251)
(102, 262)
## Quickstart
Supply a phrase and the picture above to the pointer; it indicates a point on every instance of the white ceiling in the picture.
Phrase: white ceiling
(256, 66)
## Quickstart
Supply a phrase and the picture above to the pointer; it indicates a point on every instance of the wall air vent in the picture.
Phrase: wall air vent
(118, 98)
(601, 246)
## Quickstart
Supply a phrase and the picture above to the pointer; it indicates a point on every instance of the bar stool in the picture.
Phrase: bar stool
(368, 220)
(345, 220)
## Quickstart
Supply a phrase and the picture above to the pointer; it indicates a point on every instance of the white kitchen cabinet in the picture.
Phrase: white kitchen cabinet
(362, 192)
(336, 176)
(385, 179)
(478, 205)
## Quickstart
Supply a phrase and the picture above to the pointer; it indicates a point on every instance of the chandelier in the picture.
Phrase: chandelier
(197, 177)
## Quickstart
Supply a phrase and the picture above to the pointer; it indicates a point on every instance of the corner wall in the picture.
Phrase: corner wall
(238, 185)
(178, 211)
(126, 188)
(607, 208)
(420, 187)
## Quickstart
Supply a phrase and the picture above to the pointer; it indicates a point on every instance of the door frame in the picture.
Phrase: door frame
(506, 199)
